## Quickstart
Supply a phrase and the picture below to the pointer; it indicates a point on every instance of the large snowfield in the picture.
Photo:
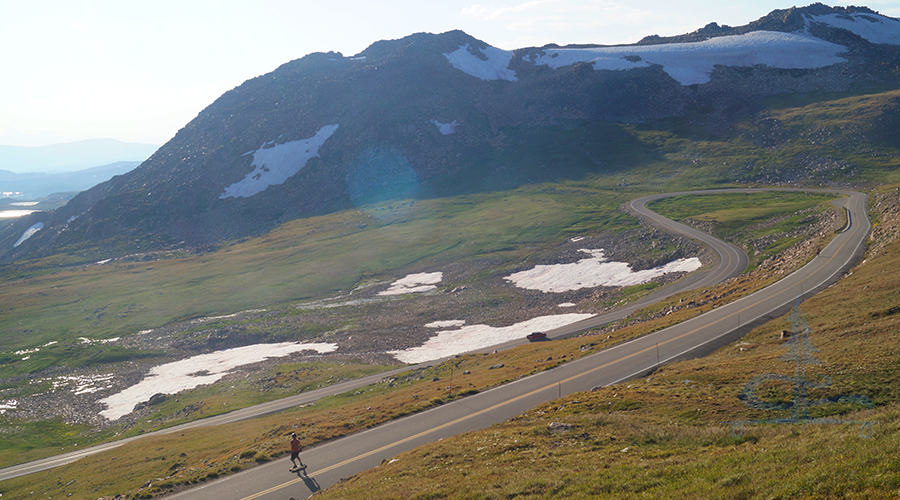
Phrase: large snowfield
(29, 233)
(494, 67)
(413, 283)
(874, 28)
(276, 163)
(199, 370)
(693, 63)
(592, 272)
(469, 338)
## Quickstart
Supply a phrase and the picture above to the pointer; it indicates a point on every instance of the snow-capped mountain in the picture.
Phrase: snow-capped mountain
(440, 114)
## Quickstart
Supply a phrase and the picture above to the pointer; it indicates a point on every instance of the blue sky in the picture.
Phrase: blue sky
(140, 70)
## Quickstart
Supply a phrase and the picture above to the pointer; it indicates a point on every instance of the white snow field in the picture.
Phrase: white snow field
(29, 233)
(199, 370)
(586, 273)
(276, 164)
(692, 63)
(8, 404)
(468, 338)
(496, 67)
(446, 128)
(592, 272)
(872, 27)
(414, 283)
(446, 323)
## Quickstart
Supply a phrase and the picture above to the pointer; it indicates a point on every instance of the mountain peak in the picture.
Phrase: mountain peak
(442, 114)
(794, 19)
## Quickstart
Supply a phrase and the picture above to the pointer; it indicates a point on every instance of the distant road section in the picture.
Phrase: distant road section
(330, 462)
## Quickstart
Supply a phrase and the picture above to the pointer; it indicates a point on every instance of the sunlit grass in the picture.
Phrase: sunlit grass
(309, 258)
(672, 418)
(670, 435)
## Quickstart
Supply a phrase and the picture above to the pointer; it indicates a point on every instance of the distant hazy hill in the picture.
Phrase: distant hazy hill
(440, 114)
(71, 156)
(33, 185)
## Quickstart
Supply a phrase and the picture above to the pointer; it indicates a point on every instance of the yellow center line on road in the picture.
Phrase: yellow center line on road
(405, 440)
(472, 415)
(466, 417)
(522, 396)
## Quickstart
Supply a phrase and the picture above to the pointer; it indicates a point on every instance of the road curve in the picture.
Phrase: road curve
(330, 462)
(730, 262)
(347, 456)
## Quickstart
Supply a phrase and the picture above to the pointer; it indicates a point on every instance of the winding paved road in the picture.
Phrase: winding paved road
(347, 456)
(700, 335)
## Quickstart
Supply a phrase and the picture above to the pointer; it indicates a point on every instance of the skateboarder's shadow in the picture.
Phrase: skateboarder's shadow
(310, 482)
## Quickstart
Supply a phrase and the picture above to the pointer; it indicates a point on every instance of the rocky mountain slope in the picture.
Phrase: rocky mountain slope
(440, 114)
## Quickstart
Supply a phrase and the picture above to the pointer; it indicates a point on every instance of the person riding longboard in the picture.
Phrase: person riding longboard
(295, 453)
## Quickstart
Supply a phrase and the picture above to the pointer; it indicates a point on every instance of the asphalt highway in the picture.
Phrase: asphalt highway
(330, 462)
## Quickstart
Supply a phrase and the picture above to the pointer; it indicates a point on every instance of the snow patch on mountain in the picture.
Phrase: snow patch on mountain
(472, 337)
(446, 128)
(275, 164)
(872, 27)
(81, 384)
(414, 283)
(195, 371)
(692, 63)
(29, 233)
(8, 404)
(593, 271)
(494, 67)
(446, 323)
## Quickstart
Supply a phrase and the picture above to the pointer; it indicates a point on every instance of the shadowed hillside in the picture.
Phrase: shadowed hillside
(433, 115)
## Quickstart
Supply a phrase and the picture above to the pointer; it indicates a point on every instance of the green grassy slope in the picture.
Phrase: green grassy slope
(305, 259)
(208, 455)
(686, 432)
